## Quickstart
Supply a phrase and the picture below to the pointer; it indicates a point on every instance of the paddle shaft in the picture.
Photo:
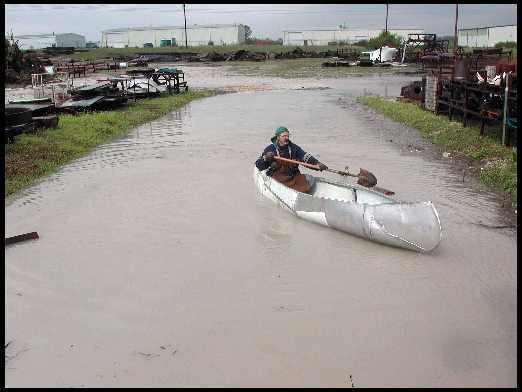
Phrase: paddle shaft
(314, 167)
(342, 173)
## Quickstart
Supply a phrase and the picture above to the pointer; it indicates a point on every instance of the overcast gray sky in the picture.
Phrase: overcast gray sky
(265, 20)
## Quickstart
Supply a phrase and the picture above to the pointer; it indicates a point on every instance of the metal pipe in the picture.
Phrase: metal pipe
(504, 120)
(404, 52)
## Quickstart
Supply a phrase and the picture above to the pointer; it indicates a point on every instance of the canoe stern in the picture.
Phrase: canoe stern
(413, 226)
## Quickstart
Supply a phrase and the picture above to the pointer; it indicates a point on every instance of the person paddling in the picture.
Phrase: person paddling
(286, 173)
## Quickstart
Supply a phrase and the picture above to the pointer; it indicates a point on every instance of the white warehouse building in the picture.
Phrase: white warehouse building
(486, 37)
(41, 41)
(350, 36)
(138, 37)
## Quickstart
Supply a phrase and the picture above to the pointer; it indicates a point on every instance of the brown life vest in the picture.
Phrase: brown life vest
(280, 174)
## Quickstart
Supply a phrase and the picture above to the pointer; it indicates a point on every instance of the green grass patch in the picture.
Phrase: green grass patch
(306, 68)
(498, 163)
(41, 153)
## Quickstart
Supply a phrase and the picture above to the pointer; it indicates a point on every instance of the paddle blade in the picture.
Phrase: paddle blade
(366, 178)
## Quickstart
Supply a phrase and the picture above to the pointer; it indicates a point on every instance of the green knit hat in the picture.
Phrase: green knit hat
(278, 132)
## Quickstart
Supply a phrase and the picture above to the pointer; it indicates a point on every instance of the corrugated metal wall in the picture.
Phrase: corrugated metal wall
(503, 33)
(41, 41)
(196, 36)
(70, 40)
(486, 37)
(475, 38)
(36, 42)
(322, 37)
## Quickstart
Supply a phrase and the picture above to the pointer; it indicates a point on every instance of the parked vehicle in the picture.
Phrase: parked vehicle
(384, 54)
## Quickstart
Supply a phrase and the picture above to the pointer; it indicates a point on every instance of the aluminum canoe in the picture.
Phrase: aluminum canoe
(359, 211)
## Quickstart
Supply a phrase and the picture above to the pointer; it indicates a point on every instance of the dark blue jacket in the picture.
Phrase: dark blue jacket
(290, 151)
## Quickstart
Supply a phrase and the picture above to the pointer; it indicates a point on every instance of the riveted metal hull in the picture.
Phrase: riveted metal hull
(359, 211)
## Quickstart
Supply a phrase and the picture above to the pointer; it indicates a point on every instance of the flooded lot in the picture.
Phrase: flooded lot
(159, 265)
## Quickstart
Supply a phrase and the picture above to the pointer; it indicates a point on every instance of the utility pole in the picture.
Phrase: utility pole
(456, 38)
(385, 34)
(386, 27)
(185, 17)
(455, 42)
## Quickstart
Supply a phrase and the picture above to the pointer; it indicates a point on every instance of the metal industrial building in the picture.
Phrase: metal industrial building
(138, 37)
(486, 37)
(324, 36)
(41, 41)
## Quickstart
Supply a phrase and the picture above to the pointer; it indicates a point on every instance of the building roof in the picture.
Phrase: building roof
(338, 29)
(34, 36)
(145, 28)
(28, 36)
(486, 27)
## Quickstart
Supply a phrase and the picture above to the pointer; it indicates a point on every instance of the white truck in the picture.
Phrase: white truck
(385, 54)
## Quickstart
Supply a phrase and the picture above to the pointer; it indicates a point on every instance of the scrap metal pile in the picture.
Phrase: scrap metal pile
(27, 115)
(480, 85)
(420, 45)
(465, 66)
(19, 65)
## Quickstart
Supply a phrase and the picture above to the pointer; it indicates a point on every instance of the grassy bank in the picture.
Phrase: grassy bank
(35, 155)
(498, 164)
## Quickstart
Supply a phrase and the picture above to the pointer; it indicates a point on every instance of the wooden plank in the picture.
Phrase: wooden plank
(21, 237)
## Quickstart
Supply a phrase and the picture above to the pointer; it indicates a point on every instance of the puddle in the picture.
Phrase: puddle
(160, 239)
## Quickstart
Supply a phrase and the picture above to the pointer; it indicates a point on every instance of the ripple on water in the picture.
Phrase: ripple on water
(149, 140)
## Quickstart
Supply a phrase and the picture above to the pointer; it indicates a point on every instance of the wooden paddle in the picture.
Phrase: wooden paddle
(21, 237)
(365, 178)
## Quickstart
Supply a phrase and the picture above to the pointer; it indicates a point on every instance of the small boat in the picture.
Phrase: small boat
(49, 121)
(93, 90)
(36, 109)
(10, 131)
(16, 115)
(336, 62)
(78, 105)
(143, 88)
(31, 101)
(99, 102)
(359, 211)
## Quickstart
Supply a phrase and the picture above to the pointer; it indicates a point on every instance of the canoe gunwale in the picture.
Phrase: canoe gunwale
(352, 186)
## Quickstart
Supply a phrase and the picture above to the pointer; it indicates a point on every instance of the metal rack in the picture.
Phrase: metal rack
(485, 102)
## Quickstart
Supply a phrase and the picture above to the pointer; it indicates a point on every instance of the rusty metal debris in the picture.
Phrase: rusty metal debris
(414, 91)
(419, 45)
(480, 84)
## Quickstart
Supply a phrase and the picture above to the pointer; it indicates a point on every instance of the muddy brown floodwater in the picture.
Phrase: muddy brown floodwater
(159, 265)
